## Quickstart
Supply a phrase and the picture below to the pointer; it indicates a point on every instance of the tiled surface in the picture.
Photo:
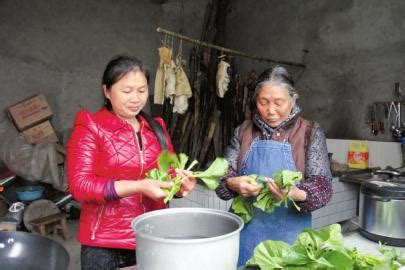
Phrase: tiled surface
(342, 206)
(202, 197)
(344, 201)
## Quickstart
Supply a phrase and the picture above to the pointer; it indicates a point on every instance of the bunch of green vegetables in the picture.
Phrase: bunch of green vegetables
(322, 249)
(266, 201)
(169, 162)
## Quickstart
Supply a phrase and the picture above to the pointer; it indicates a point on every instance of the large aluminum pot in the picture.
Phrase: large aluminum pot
(21, 250)
(187, 238)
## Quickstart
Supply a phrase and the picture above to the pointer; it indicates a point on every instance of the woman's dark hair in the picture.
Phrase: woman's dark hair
(117, 68)
(157, 129)
(277, 75)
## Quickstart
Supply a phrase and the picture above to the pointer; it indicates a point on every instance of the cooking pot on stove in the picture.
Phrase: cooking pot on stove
(187, 238)
(382, 209)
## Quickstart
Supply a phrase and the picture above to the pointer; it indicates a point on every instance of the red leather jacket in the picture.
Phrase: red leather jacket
(104, 147)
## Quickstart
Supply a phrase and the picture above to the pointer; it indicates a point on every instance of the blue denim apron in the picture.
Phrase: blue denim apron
(266, 157)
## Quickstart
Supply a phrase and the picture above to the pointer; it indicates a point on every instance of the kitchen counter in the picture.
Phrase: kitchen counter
(364, 245)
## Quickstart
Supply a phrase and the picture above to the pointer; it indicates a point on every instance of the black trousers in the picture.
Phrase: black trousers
(99, 258)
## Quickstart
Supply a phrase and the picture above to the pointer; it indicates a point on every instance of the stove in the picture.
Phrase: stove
(388, 174)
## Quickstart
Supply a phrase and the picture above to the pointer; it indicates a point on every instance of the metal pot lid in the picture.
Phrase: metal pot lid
(383, 188)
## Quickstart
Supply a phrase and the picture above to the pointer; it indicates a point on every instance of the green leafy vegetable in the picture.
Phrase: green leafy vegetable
(270, 254)
(266, 201)
(217, 169)
(169, 162)
(322, 249)
(243, 208)
(257, 179)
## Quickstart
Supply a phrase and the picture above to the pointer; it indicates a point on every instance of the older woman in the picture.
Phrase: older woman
(277, 138)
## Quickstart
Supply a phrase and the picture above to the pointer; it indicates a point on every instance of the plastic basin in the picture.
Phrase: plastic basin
(29, 193)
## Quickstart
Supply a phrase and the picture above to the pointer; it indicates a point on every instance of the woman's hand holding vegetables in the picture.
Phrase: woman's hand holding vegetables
(188, 182)
(151, 188)
(243, 185)
(154, 189)
(294, 193)
(271, 192)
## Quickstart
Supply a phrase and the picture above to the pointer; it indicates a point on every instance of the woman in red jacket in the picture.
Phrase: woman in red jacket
(109, 153)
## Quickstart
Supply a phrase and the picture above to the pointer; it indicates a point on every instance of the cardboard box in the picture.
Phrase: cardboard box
(30, 111)
(41, 133)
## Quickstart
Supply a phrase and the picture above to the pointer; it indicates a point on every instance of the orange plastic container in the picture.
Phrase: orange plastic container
(358, 155)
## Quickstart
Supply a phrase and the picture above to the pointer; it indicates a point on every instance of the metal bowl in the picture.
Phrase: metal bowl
(21, 250)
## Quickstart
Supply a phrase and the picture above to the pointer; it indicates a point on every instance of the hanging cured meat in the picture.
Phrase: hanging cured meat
(222, 78)
(170, 80)
(183, 89)
(165, 55)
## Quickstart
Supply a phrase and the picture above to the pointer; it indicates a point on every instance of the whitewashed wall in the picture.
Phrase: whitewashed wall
(381, 154)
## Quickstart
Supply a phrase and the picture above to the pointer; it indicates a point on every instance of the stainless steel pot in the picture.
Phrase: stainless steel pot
(21, 250)
(382, 211)
(187, 238)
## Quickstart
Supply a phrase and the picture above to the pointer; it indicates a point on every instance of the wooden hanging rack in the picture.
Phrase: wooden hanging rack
(227, 50)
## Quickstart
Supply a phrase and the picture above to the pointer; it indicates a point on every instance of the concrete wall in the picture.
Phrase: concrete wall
(356, 54)
(60, 48)
(356, 50)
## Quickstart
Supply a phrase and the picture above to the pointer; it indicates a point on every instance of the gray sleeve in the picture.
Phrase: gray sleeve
(231, 155)
(317, 182)
(232, 151)
(317, 160)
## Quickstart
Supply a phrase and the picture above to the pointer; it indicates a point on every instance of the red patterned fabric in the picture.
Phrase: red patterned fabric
(103, 147)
